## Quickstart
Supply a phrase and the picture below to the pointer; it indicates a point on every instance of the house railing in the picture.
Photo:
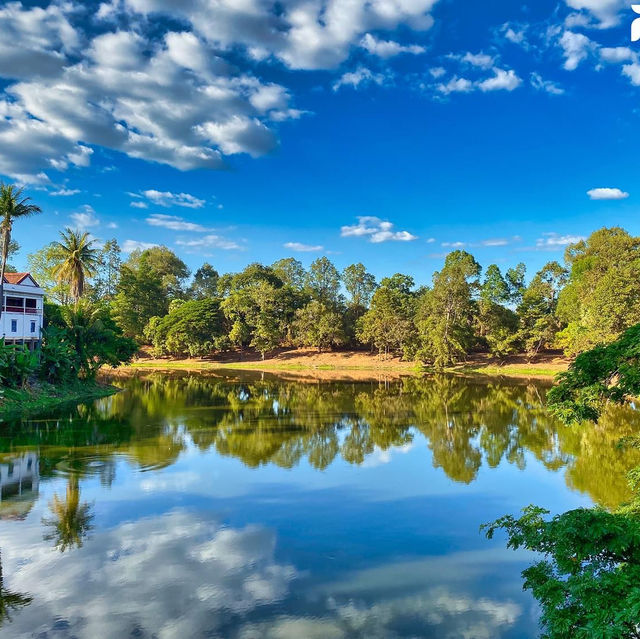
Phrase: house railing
(21, 309)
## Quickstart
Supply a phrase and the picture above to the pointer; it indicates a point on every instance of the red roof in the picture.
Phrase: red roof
(17, 278)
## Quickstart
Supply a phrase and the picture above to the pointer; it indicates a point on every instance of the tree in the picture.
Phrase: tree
(589, 584)
(604, 374)
(108, 270)
(516, 283)
(42, 265)
(539, 323)
(359, 284)
(323, 281)
(140, 296)
(13, 206)
(166, 265)
(601, 298)
(205, 282)
(497, 324)
(78, 260)
(193, 328)
(318, 326)
(14, 249)
(94, 337)
(291, 272)
(446, 312)
(388, 324)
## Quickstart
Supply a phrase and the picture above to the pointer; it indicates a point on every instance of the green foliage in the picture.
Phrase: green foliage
(291, 272)
(589, 584)
(76, 260)
(318, 326)
(388, 324)
(58, 361)
(164, 264)
(605, 373)
(140, 296)
(446, 312)
(205, 282)
(323, 281)
(42, 265)
(17, 364)
(601, 298)
(193, 328)
(94, 337)
(107, 271)
(539, 323)
(359, 284)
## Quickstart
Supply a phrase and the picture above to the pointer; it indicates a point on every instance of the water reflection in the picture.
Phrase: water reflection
(267, 421)
(118, 518)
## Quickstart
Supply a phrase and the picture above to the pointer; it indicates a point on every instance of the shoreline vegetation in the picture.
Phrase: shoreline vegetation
(19, 403)
(310, 361)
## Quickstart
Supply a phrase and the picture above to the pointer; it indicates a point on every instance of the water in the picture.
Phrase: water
(246, 506)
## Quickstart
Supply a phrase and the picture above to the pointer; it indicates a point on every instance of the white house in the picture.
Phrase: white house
(22, 310)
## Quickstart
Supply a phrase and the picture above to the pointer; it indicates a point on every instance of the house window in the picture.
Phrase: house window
(14, 326)
(33, 327)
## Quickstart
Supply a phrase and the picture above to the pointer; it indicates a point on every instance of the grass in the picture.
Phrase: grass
(16, 403)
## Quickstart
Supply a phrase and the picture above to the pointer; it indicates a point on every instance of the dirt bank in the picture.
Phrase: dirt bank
(309, 360)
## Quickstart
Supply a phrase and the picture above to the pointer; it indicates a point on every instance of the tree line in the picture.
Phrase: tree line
(587, 300)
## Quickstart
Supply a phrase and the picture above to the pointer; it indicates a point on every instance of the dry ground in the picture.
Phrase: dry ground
(309, 360)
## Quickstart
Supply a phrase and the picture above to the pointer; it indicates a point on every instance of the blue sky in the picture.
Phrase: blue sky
(388, 132)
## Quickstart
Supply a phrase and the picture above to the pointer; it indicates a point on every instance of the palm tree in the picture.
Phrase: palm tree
(71, 521)
(10, 601)
(12, 206)
(79, 260)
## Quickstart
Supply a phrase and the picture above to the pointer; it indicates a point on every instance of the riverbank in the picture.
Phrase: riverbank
(544, 365)
(16, 403)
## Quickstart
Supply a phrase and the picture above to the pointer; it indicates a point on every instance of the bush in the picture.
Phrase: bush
(17, 364)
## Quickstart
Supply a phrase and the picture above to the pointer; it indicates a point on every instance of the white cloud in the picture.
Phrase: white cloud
(552, 241)
(303, 248)
(208, 242)
(501, 81)
(175, 223)
(137, 204)
(607, 194)
(576, 47)
(167, 199)
(437, 72)
(456, 85)
(540, 84)
(454, 245)
(85, 219)
(175, 100)
(515, 34)
(64, 192)
(616, 55)
(388, 48)
(632, 71)
(361, 76)
(605, 11)
(376, 230)
(128, 246)
(481, 60)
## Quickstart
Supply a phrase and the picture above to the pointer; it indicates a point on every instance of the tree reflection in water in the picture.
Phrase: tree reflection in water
(265, 420)
(10, 601)
(71, 520)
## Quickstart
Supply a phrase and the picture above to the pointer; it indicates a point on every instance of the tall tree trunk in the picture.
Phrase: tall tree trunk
(6, 238)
